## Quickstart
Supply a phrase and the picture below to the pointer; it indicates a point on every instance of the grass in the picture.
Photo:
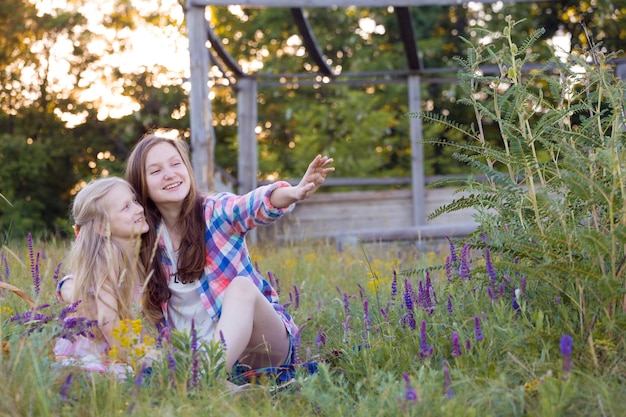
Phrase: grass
(380, 351)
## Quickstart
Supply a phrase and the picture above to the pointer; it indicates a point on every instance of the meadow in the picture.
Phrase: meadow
(393, 330)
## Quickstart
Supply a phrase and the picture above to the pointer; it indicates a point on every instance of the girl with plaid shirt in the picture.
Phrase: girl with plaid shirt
(202, 274)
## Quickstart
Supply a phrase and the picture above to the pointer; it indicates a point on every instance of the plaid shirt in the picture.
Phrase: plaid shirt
(228, 218)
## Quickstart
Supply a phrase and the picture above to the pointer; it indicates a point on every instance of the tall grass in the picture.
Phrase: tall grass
(384, 339)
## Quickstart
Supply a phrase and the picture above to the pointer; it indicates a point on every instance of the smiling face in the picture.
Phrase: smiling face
(167, 176)
(126, 215)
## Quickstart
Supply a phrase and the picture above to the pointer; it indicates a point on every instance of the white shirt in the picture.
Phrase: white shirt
(185, 304)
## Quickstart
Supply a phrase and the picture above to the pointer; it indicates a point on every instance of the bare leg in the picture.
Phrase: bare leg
(253, 331)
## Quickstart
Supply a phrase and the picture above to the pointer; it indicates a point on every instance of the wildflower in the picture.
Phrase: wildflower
(55, 277)
(171, 366)
(449, 268)
(452, 250)
(425, 350)
(447, 381)
(194, 355)
(270, 277)
(320, 340)
(491, 294)
(477, 330)
(408, 295)
(394, 286)
(7, 271)
(67, 383)
(383, 311)
(491, 270)
(465, 268)
(456, 347)
(37, 277)
(410, 394)
(223, 339)
(346, 304)
(346, 329)
(514, 304)
(366, 315)
(367, 322)
(468, 344)
(450, 309)
(296, 296)
(557, 300)
(567, 345)
(523, 285)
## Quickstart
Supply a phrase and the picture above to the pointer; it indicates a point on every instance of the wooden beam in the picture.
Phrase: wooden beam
(407, 33)
(343, 3)
(202, 143)
(247, 115)
(310, 43)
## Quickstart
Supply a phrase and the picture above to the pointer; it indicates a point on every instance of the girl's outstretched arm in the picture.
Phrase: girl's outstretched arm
(312, 180)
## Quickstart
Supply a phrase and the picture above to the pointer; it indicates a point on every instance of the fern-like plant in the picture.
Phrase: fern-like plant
(552, 207)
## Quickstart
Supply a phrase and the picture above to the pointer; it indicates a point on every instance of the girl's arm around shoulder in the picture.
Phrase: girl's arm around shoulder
(312, 180)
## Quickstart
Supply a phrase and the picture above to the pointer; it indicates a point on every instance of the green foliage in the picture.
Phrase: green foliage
(552, 205)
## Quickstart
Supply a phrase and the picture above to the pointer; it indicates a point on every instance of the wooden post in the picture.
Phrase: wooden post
(200, 114)
(247, 113)
(417, 152)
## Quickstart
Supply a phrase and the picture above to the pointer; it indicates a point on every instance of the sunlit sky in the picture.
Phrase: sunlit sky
(146, 47)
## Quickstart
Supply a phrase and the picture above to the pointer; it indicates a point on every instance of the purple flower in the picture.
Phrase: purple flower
(67, 383)
(366, 315)
(394, 286)
(408, 295)
(55, 277)
(557, 300)
(477, 330)
(491, 270)
(296, 296)
(270, 277)
(447, 381)
(223, 340)
(7, 271)
(468, 344)
(456, 347)
(523, 284)
(514, 304)
(194, 355)
(452, 250)
(425, 350)
(171, 366)
(465, 268)
(37, 277)
(346, 304)
(450, 309)
(410, 394)
(383, 311)
(567, 346)
(320, 339)
(346, 329)
(491, 294)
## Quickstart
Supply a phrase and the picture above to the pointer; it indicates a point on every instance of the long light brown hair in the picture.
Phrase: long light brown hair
(98, 262)
(191, 219)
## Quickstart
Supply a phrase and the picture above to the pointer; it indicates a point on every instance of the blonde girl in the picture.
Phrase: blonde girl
(106, 276)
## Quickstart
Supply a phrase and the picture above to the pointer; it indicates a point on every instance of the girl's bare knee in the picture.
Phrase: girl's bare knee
(242, 289)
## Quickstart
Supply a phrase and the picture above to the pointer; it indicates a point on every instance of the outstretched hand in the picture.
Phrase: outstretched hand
(312, 180)
(314, 176)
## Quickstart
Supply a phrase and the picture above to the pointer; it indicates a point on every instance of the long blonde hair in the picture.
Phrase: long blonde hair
(98, 262)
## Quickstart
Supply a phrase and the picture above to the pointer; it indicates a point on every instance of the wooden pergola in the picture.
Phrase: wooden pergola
(206, 49)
